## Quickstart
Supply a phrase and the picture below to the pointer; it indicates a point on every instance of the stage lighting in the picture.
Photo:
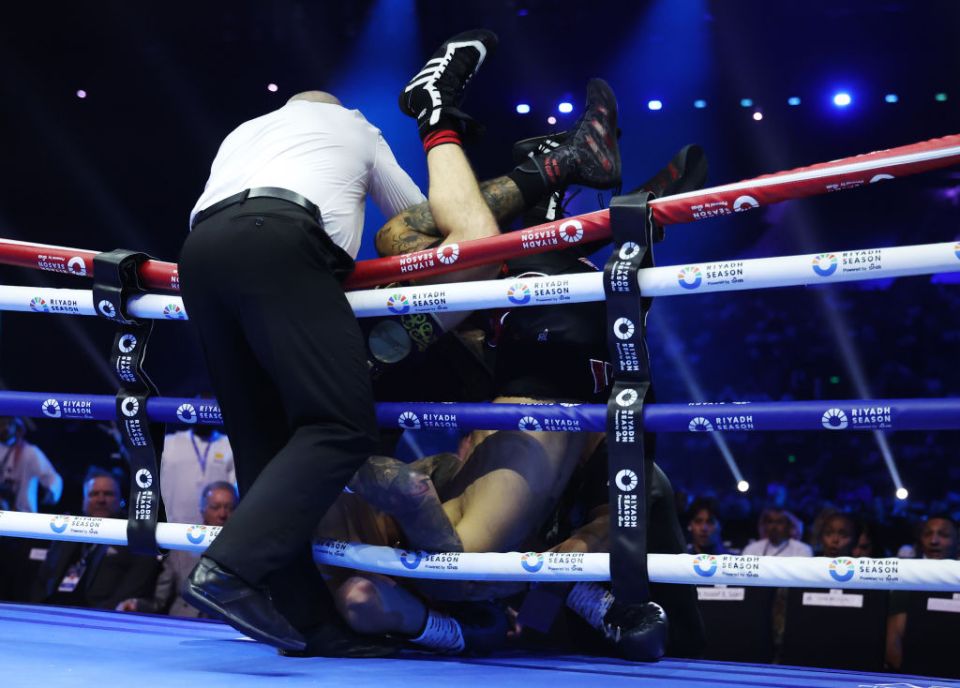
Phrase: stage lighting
(654, 105)
(700, 103)
(842, 99)
(793, 101)
(273, 88)
(902, 493)
(81, 94)
(757, 116)
(891, 98)
(523, 108)
(565, 107)
(746, 102)
(940, 97)
(551, 120)
(743, 486)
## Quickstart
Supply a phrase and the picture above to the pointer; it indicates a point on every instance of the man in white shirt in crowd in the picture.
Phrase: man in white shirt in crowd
(192, 459)
(24, 469)
(775, 526)
(273, 235)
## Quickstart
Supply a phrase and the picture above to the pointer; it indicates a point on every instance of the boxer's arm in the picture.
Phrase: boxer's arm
(592, 537)
(408, 494)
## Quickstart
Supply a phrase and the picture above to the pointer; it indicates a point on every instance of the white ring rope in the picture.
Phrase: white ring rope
(734, 275)
(815, 572)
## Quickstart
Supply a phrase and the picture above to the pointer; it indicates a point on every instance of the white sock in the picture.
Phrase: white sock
(591, 602)
(441, 633)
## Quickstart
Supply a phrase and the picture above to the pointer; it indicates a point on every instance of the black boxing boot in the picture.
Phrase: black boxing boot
(434, 95)
(550, 207)
(590, 155)
(687, 171)
(637, 632)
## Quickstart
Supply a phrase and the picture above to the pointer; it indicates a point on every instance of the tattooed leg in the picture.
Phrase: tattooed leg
(415, 228)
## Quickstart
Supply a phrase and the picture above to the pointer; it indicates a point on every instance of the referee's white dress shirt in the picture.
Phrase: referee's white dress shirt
(328, 154)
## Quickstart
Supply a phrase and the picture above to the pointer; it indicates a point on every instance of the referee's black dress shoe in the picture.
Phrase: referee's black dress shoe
(221, 594)
(334, 638)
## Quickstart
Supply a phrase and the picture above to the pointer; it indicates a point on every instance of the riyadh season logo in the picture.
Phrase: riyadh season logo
(398, 304)
(835, 419)
(127, 343)
(51, 408)
(130, 406)
(408, 421)
(518, 293)
(705, 565)
(173, 312)
(880, 177)
(39, 305)
(529, 424)
(629, 250)
(532, 561)
(411, 560)
(448, 254)
(143, 478)
(744, 203)
(841, 570)
(825, 264)
(627, 397)
(700, 424)
(58, 524)
(106, 309)
(624, 328)
(626, 480)
(571, 231)
(186, 413)
(196, 534)
(689, 277)
(76, 266)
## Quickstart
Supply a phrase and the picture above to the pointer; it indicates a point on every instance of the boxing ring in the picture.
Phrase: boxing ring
(55, 646)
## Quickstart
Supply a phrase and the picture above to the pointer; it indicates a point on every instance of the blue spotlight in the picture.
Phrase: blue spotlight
(565, 107)
(842, 99)
(523, 108)
(699, 103)
(655, 105)
(746, 102)
(891, 98)
(793, 100)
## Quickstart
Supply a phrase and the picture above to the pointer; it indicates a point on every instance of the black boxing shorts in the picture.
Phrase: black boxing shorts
(553, 352)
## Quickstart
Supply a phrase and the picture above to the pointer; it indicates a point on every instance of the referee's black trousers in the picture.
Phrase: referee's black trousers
(261, 282)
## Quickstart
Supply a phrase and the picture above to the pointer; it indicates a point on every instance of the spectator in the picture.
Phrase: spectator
(774, 529)
(80, 574)
(216, 506)
(192, 459)
(839, 535)
(938, 540)
(24, 470)
(867, 545)
(704, 528)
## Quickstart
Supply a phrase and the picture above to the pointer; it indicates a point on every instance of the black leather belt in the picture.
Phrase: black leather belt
(260, 192)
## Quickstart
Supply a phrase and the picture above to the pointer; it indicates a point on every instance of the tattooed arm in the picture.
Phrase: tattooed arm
(408, 494)
(414, 229)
